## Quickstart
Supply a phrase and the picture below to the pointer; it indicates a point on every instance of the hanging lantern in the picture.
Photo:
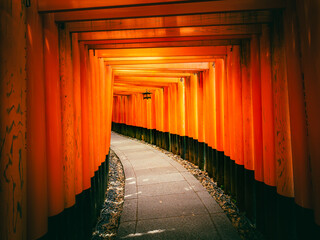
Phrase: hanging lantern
(146, 95)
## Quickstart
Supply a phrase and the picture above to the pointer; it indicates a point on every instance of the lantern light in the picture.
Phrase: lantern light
(146, 95)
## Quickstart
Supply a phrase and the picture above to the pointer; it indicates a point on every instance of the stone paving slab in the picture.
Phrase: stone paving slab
(163, 200)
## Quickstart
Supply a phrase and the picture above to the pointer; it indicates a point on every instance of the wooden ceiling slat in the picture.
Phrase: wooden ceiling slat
(165, 39)
(165, 9)
(58, 5)
(168, 44)
(159, 52)
(146, 73)
(173, 32)
(227, 18)
(165, 67)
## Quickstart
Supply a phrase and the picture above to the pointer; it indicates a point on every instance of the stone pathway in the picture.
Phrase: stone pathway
(163, 200)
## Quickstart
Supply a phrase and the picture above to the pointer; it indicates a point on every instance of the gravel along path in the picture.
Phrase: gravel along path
(108, 221)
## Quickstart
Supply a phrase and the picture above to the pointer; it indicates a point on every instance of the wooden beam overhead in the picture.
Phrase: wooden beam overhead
(158, 60)
(190, 58)
(60, 5)
(165, 52)
(147, 79)
(198, 7)
(134, 88)
(148, 73)
(227, 18)
(167, 44)
(119, 63)
(145, 84)
(173, 32)
(169, 66)
(164, 39)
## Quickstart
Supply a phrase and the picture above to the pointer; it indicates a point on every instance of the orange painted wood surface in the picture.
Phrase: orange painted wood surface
(67, 117)
(247, 107)
(267, 109)
(237, 106)
(85, 119)
(283, 149)
(53, 117)
(37, 196)
(256, 107)
(77, 114)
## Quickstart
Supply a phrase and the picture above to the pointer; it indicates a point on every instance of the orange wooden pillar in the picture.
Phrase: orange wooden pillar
(257, 114)
(94, 106)
(208, 164)
(103, 110)
(238, 126)
(226, 130)
(77, 114)
(219, 90)
(181, 118)
(298, 121)
(265, 219)
(67, 117)
(161, 117)
(282, 133)
(212, 125)
(153, 119)
(53, 117)
(308, 18)
(37, 198)
(248, 138)
(173, 117)
(86, 165)
(109, 105)
(194, 116)
(166, 117)
(231, 128)
(188, 154)
(201, 122)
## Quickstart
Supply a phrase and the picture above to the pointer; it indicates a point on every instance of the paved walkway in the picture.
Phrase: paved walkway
(163, 200)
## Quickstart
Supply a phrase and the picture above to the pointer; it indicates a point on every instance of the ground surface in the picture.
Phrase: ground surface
(163, 200)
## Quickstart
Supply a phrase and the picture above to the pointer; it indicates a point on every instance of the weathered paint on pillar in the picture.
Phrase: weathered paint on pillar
(194, 105)
(298, 116)
(237, 106)
(77, 114)
(85, 119)
(308, 17)
(248, 144)
(267, 109)
(53, 117)
(67, 116)
(283, 151)
(256, 107)
(37, 210)
(219, 90)
(13, 174)
(230, 95)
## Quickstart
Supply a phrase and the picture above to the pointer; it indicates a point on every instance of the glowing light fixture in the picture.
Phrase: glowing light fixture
(146, 95)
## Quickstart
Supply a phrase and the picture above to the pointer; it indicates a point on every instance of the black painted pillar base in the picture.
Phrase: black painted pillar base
(167, 141)
(227, 184)
(201, 155)
(250, 198)
(214, 164)
(285, 219)
(232, 179)
(196, 152)
(239, 177)
(183, 147)
(209, 169)
(220, 167)
(260, 206)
